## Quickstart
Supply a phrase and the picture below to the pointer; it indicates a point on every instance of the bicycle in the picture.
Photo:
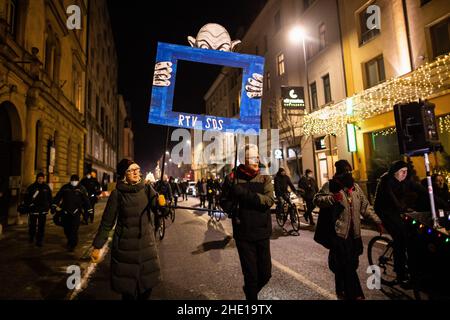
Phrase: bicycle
(380, 252)
(285, 209)
(215, 212)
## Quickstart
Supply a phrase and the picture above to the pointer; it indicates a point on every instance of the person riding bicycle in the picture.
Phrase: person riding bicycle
(282, 182)
(390, 204)
(212, 187)
(163, 188)
(176, 191)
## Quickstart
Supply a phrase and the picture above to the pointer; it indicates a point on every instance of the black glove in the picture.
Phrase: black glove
(335, 186)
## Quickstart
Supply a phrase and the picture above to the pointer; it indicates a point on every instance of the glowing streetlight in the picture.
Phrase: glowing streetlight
(297, 34)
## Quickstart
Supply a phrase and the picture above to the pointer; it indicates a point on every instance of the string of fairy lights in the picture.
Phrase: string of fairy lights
(420, 84)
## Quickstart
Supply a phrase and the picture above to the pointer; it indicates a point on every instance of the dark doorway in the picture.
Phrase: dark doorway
(5, 163)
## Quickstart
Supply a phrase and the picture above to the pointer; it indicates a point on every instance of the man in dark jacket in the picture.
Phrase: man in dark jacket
(94, 190)
(282, 182)
(247, 196)
(72, 199)
(38, 200)
(390, 203)
(176, 191)
(308, 189)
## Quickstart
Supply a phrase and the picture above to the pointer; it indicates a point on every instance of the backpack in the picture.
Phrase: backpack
(325, 228)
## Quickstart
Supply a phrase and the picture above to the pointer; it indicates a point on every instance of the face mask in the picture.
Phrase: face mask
(347, 180)
(74, 183)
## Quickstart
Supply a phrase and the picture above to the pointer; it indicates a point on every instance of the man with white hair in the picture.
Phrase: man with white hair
(247, 197)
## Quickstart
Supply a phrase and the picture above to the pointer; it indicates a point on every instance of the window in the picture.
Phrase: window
(38, 145)
(327, 88)
(69, 158)
(56, 61)
(375, 72)
(76, 90)
(97, 108)
(56, 144)
(280, 64)
(11, 15)
(366, 33)
(49, 53)
(89, 96)
(313, 88)
(102, 118)
(440, 38)
(277, 21)
(268, 81)
(307, 4)
(322, 42)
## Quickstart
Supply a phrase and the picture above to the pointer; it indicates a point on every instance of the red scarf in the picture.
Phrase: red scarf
(248, 172)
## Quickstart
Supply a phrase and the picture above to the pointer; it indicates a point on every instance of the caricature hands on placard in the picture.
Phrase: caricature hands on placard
(254, 86)
(163, 74)
(211, 37)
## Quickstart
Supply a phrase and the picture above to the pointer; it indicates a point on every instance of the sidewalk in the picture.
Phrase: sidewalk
(31, 273)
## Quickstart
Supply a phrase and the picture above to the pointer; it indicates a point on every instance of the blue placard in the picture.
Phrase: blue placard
(161, 108)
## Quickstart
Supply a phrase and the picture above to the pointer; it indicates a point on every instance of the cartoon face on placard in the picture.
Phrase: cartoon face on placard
(213, 45)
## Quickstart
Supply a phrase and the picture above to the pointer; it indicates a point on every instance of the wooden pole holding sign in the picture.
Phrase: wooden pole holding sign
(164, 156)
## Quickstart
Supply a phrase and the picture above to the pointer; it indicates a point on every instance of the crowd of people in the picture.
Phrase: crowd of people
(246, 195)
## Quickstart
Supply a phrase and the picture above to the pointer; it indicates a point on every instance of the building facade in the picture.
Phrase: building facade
(42, 74)
(403, 59)
(102, 105)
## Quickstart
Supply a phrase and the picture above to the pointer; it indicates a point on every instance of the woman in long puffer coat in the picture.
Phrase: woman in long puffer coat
(135, 263)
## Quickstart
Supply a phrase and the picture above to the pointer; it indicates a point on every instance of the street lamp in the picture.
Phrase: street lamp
(298, 34)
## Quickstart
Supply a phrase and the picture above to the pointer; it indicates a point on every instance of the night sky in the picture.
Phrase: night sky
(138, 25)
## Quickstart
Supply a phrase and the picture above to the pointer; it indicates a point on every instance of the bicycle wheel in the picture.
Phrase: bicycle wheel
(381, 253)
(217, 215)
(281, 217)
(161, 228)
(294, 217)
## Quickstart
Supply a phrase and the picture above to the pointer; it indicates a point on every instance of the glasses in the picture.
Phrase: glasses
(138, 170)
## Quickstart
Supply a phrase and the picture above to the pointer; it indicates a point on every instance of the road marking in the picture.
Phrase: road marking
(327, 294)
(88, 272)
(315, 287)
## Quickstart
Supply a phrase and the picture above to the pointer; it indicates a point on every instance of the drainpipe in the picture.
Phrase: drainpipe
(408, 34)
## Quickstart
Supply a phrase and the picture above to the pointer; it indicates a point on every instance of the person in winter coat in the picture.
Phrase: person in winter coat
(38, 200)
(176, 191)
(93, 189)
(308, 189)
(247, 196)
(202, 190)
(390, 203)
(343, 196)
(135, 264)
(72, 199)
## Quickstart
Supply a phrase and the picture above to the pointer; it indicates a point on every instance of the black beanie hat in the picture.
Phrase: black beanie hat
(40, 175)
(397, 165)
(74, 178)
(342, 166)
(123, 166)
